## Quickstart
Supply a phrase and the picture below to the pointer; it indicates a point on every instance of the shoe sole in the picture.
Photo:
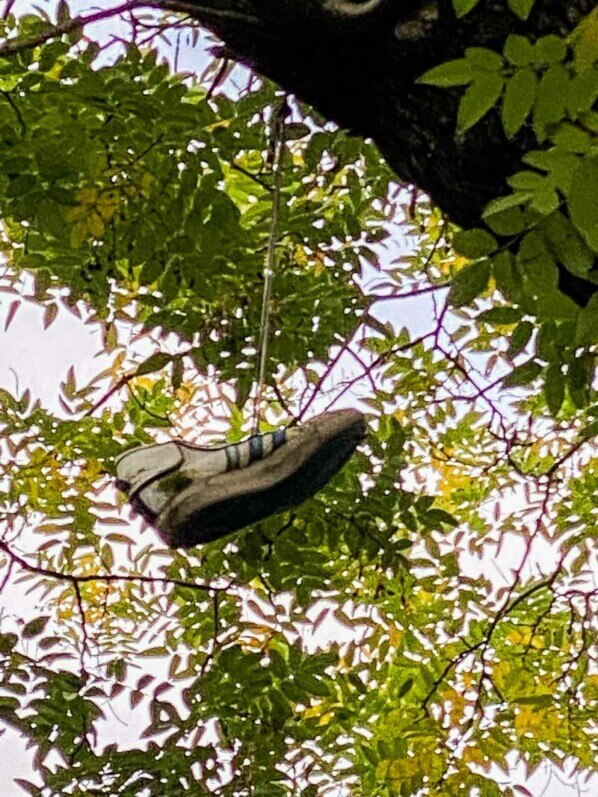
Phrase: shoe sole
(230, 501)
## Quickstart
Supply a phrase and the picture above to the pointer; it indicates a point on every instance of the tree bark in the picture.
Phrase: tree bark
(357, 63)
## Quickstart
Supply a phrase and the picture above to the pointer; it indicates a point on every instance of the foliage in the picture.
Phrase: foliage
(551, 214)
(427, 613)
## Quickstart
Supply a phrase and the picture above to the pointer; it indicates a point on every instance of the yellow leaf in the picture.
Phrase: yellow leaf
(79, 233)
(327, 718)
(107, 205)
(95, 224)
(55, 72)
(77, 212)
(586, 45)
(147, 182)
(87, 196)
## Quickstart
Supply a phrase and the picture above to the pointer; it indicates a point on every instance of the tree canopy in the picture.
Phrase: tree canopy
(427, 619)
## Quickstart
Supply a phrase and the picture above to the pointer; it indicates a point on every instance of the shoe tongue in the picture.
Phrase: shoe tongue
(144, 465)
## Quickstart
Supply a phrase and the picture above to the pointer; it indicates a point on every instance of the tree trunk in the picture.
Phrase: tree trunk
(357, 63)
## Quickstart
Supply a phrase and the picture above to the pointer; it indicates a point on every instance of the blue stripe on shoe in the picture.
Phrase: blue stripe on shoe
(240, 455)
(233, 459)
(279, 437)
(256, 448)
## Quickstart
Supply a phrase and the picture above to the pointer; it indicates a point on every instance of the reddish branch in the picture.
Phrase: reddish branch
(11, 47)
(109, 578)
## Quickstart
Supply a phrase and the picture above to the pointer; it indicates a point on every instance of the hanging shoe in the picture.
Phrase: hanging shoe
(193, 495)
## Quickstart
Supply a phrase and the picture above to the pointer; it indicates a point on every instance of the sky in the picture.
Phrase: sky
(38, 359)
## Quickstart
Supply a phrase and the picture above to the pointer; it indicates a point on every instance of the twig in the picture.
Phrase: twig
(84, 637)
(108, 577)
(54, 31)
(122, 382)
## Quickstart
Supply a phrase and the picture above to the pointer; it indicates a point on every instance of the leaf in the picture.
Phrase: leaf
(567, 245)
(296, 130)
(523, 374)
(583, 91)
(549, 107)
(509, 221)
(63, 15)
(34, 627)
(50, 314)
(586, 333)
(586, 42)
(154, 362)
(579, 378)
(520, 338)
(582, 200)
(469, 283)
(554, 388)
(12, 311)
(522, 8)
(407, 686)
(480, 97)
(463, 7)
(474, 243)
(27, 785)
(434, 518)
(522, 790)
(483, 59)
(519, 50)
(500, 315)
(550, 50)
(177, 372)
(452, 73)
(518, 100)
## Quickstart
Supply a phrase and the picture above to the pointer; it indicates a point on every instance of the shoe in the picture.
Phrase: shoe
(193, 495)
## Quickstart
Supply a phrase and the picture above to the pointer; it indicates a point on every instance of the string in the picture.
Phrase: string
(277, 149)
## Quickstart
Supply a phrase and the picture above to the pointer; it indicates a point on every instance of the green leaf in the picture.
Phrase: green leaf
(550, 50)
(463, 7)
(469, 283)
(522, 8)
(474, 243)
(177, 373)
(519, 50)
(296, 130)
(507, 274)
(509, 221)
(434, 518)
(586, 333)
(483, 59)
(572, 138)
(155, 362)
(550, 103)
(586, 42)
(34, 627)
(567, 245)
(520, 338)
(518, 100)
(582, 200)
(579, 379)
(452, 73)
(554, 388)
(583, 92)
(523, 374)
(537, 264)
(480, 97)
(500, 315)
(406, 687)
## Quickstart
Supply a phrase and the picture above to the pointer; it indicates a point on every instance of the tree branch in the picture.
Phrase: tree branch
(108, 578)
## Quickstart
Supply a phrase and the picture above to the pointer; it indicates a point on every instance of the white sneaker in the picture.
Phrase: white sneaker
(193, 495)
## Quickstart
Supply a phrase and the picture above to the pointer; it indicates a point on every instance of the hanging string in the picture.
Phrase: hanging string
(276, 153)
